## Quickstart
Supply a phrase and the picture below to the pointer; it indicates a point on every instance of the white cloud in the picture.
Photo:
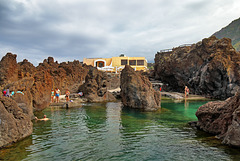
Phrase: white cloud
(75, 29)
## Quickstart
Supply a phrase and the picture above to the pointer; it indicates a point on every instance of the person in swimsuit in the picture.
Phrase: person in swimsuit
(43, 119)
(4, 93)
(186, 91)
(57, 94)
(52, 96)
(67, 95)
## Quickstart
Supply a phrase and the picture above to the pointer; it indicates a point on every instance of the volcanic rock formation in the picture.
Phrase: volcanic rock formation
(48, 75)
(24, 99)
(15, 124)
(32, 90)
(222, 118)
(8, 69)
(96, 86)
(210, 68)
(137, 91)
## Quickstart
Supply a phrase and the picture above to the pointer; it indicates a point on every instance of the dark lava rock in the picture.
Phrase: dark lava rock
(222, 118)
(210, 68)
(137, 91)
(96, 86)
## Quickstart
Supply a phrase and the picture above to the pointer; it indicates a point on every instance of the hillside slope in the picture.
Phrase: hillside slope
(231, 31)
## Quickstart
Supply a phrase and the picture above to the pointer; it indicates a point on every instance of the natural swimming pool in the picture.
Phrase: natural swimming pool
(106, 131)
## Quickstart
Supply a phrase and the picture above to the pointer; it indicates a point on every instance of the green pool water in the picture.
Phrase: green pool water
(106, 131)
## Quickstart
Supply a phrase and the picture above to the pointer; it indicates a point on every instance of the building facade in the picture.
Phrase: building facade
(116, 64)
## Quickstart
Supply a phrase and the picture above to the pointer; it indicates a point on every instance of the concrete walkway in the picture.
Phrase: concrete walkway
(173, 95)
(181, 96)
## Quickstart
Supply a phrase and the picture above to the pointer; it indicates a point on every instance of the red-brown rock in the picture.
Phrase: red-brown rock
(47, 76)
(23, 99)
(8, 69)
(137, 91)
(96, 85)
(14, 123)
(222, 118)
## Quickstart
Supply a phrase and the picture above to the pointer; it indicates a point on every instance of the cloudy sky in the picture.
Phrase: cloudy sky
(75, 29)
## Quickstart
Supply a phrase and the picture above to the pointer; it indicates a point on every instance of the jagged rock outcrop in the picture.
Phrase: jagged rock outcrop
(32, 86)
(24, 99)
(66, 75)
(14, 123)
(137, 91)
(8, 69)
(47, 76)
(210, 68)
(222, 118)
(96, 86)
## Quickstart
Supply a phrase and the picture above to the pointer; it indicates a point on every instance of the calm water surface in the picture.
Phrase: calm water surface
(109, 132)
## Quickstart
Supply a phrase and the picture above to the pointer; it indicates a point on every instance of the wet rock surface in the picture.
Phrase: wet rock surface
(210, 68)
(221, 118)
(137, 91)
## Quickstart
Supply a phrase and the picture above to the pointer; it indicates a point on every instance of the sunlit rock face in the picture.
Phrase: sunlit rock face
(137, 91)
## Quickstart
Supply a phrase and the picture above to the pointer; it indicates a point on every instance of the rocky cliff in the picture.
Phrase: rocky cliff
(45, 77)
(32, 86)
(15, 124)
(137, 91)
(222, 118)
(210, 68)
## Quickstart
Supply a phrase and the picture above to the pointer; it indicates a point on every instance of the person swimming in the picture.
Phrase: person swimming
(43, 119)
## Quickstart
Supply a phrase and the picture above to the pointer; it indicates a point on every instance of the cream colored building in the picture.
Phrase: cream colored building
(116, 64)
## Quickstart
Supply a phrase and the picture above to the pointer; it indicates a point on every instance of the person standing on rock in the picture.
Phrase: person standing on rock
(4, 92)
(67, 95)
(186, 92)
(57, 94)
(160, 89)
(52, 95)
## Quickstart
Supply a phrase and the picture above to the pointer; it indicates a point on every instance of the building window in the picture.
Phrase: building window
(124, 62)
(132, 62)
(101, 64)
(140, 62)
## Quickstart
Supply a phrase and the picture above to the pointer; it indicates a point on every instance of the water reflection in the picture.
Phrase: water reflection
(17, 151)
(109, 132)
(186, 104)
(95, 116)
